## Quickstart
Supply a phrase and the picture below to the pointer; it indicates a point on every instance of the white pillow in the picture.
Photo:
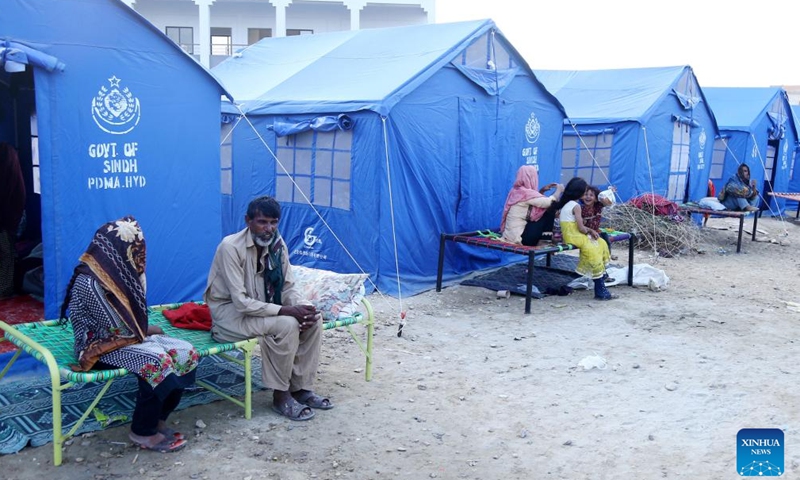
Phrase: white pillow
(712, 203)
(336, 295)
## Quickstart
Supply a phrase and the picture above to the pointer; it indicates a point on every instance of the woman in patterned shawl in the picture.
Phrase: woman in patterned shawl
(108, 311)
(740, 192)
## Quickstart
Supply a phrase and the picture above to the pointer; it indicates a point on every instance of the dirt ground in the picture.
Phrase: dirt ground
(476, 389)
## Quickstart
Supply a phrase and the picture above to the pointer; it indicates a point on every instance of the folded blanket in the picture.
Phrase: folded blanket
(190, 316)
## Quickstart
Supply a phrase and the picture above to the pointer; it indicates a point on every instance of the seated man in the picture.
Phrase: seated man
(739, 192)
(251, 293)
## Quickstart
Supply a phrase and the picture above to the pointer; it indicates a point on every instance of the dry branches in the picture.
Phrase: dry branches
(667, 236)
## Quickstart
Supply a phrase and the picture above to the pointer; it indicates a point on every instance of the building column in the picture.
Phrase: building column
(429, 7)
(280, 16)
(204, 34)
(355, 7)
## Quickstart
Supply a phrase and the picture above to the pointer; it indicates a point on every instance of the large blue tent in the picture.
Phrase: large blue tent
(794, 181)
(642, 130)
(376, 141)
(111, 118)
(756, 128)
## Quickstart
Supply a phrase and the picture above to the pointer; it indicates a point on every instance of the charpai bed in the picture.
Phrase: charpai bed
(795, 197)
(693, 209)
(490, 239)
(52, 344)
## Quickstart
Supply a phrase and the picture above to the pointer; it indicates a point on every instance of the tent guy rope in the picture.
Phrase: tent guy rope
(308, 201)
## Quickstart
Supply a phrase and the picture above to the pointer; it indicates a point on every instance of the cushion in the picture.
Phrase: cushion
(712, 203)
(336, 295)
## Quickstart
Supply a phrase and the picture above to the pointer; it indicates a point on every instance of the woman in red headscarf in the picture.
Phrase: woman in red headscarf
(108, 311)
(526, 214)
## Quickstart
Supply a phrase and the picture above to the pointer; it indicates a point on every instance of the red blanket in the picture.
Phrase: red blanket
(190, 316)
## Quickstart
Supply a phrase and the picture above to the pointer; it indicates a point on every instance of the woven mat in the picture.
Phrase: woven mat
(514, 277)
(26, 404)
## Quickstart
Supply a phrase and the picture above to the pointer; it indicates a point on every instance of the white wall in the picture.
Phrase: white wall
(240, 15)
(380, 16)
(320, 17)
(169, 14)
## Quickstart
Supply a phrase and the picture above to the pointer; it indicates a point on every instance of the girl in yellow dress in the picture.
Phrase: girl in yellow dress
(593, 250)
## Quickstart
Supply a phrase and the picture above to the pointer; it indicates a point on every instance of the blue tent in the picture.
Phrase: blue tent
(385, 138)
(121, 121)
(794, 181)
(642, 130)
(756, 128)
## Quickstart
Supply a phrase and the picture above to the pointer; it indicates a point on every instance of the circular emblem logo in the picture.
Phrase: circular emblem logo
(702, 138)
(532, 129)
(309, 238)
(115, 109)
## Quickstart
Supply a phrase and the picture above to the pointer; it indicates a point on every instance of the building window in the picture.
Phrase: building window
(679, 163)
(256, 34)
(183, 36)
(293, 32)
(37, 186)
(226, 159)
(315, 167)
(588, 157)
(718, 160)
(221, 41)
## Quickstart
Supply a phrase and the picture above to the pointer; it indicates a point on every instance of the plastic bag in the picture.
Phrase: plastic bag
(608, 195)
(644, 275)
(593, 361)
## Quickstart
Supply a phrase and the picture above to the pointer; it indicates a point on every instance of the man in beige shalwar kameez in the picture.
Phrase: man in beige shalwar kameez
(251, 293)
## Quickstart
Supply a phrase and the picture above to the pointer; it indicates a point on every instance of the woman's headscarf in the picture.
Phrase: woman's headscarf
(116, 259)
(526, 187)
(740, 173)
(738, 186)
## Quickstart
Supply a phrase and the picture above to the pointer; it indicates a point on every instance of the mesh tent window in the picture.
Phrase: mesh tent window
(318, 166)
(679, 162)
(487, 53)
(588, 157)
(718, 160)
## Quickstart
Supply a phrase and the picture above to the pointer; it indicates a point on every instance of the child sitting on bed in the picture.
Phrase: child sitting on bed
(593, 249)
(592, 204)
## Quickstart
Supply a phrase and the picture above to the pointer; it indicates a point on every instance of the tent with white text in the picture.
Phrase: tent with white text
(376, 141)
(643, 130)
(110, 118)
(756, 128)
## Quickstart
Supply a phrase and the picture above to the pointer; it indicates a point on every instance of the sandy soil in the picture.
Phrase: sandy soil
(476, 389)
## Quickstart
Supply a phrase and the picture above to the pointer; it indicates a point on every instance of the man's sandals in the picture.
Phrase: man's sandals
(311, 399)
(293, 410)
(299, 408)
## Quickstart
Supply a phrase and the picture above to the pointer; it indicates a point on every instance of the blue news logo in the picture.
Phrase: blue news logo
(759, 452)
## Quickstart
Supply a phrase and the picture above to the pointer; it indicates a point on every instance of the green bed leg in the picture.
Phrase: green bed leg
(248, 383)
(10, 362)
(89, 410)
(370, 333)
(43, 355)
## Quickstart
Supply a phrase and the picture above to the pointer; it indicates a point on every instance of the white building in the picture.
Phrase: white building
(212, 30)
(794, 93)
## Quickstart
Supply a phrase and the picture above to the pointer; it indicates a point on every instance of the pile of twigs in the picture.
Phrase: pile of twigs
(664, 235)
